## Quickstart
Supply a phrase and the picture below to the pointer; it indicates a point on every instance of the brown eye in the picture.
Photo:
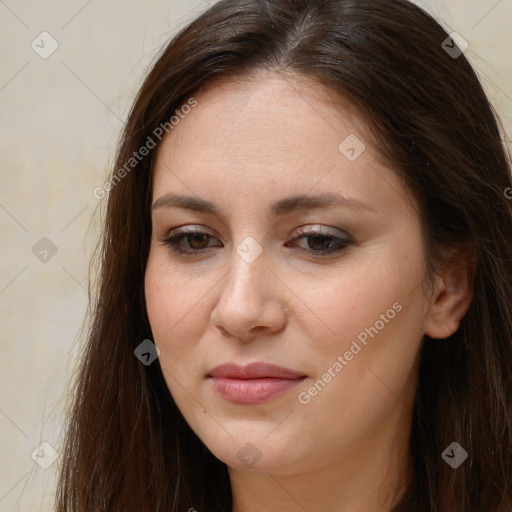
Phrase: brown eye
(319, 241)
(197, 240)
(188, 241)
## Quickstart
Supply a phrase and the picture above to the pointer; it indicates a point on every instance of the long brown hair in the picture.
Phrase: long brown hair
(127, 445)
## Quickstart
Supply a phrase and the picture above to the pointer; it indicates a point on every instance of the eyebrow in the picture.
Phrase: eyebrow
(278, 208)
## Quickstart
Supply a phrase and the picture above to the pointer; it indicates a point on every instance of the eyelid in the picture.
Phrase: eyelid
(319, 229)
(185, 230)
(189, 228)
(315, 229)
(311, 230)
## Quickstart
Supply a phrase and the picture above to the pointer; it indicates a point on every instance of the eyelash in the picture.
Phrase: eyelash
(174, 239)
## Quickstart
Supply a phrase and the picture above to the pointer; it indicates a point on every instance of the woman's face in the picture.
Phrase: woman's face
(293, 246)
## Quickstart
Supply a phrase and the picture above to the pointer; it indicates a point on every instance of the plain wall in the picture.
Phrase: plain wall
(61, 117)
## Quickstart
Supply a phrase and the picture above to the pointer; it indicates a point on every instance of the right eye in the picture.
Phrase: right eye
(188, 241)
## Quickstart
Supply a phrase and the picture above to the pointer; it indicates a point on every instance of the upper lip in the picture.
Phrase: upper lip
(257, 370)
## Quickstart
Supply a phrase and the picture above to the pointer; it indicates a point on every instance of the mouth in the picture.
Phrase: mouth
(253, 383)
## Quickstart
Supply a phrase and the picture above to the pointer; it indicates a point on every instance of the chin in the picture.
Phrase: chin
(254, 451)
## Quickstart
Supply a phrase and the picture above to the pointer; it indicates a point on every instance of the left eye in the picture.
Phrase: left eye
(319, 242)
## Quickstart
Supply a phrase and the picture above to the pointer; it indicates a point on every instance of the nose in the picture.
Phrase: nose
(249, 304)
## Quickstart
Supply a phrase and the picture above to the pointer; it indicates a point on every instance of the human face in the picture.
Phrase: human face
(285, 296)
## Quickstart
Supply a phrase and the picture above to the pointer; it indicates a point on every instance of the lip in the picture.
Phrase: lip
(253, 383)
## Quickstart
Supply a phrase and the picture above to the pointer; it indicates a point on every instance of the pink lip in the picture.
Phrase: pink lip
(253, 383)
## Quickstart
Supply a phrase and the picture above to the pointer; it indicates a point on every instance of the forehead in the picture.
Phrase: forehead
(260, 118)
(268, 132)
(267, 102)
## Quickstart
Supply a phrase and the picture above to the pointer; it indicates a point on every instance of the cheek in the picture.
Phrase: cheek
(170, 301)
(372, 316)
(336, 308)
(375, 318)
(176, 310)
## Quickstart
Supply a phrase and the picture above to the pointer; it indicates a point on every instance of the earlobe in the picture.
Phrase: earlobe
(451, 299)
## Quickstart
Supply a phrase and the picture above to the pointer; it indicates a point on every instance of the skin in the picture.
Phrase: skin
(246, 144)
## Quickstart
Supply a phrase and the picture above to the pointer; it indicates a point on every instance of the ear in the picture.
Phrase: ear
(452, 295)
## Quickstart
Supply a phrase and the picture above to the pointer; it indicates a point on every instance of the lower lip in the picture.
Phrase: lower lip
(253, 391)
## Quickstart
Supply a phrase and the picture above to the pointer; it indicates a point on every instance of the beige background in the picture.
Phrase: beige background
(60, 120)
